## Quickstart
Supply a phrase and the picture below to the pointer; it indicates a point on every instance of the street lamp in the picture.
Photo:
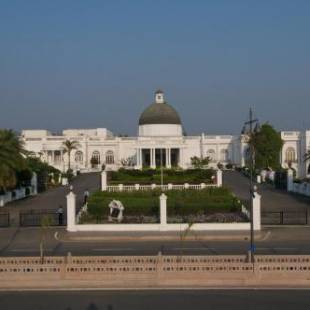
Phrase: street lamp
(250, 124)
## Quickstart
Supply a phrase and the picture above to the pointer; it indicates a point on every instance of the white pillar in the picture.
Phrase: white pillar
(257, 211)
(34, 183)
(219, 178)
(163, 209)
(71, 202)
(152, 156)
(104, 180)
(141, 159)
(290, 179)
(168, 163)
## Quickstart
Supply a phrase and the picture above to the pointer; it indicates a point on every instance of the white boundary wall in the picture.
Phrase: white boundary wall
(72, 226)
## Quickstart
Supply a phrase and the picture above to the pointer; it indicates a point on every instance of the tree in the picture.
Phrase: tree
(267, 145)
(200, 163)
(12, 159)
(46, 222)
(68, 147)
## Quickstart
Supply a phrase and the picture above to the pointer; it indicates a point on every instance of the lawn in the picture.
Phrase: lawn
(149, 176)
(181, 203)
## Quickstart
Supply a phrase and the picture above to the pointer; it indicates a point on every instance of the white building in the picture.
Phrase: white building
(160, 139)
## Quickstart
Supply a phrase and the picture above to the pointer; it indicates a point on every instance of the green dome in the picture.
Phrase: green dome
(159, 113)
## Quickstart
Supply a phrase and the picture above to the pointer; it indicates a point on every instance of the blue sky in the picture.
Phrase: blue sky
(84, 64)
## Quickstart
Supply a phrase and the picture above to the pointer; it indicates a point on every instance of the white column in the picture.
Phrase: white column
(71, 202)
(152, 156)
(290, 179)
(104, 180)
(168, 163)
(256, 211)
(141, 158)
(219, 178)
(182, 157)
(163, 209)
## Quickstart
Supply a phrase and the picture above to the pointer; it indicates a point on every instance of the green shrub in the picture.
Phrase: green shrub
(186, 202)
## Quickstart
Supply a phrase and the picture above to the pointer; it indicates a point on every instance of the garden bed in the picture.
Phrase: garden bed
(205, 205)
(153, 176)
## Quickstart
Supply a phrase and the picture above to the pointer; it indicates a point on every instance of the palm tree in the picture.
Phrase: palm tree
(68, 147)
(12, 159)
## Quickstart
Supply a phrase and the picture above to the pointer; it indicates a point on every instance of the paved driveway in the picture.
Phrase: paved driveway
(51, 199)
(272, 199)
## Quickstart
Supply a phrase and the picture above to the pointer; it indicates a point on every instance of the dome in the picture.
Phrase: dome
(159, 113)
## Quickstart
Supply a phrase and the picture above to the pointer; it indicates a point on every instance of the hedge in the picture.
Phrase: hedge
(184, 202)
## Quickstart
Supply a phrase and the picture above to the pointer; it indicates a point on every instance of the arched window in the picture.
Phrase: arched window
(95, 158)
(78, 157)
(109, 157)
(224, 155)
(290, 154)
(211, 154)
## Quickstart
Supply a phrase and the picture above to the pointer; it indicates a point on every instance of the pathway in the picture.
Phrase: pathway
(53, 198)
(272, 199)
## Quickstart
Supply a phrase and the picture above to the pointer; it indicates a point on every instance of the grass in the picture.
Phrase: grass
(149, 176)
(146, 203)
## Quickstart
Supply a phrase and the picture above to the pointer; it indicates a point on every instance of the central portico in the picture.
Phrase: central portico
(158, 121)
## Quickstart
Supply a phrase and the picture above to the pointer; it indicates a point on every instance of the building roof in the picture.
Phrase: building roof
(159, 113)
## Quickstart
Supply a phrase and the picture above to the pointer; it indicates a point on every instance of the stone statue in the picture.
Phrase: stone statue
(116, 211)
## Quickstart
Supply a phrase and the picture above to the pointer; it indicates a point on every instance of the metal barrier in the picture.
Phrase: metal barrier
(285, 218)
(4, 219)
(37, 218)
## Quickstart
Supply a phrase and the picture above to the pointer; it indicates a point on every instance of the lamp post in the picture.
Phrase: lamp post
(250, 124)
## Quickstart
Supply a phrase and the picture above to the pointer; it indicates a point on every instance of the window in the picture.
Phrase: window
(211, 154)
(224, 155)
(79, 157)
(290, 154)
(95, 158)
(109, 158)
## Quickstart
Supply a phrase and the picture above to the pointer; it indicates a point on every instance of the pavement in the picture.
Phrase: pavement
(217, 299)
(272, 199)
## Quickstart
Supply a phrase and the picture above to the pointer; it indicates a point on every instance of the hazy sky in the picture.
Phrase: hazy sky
(88, 64)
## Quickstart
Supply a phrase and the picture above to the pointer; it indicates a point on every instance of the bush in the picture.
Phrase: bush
(149, 176)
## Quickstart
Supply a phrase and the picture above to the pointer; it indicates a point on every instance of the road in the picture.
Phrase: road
(272, 199)
(25, 242)
(156, 299)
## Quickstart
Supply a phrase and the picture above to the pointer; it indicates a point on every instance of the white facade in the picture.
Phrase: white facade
(296, 144)
(156, 142)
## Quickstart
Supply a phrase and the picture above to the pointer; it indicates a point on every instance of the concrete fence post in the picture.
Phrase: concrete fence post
(34, 184)
(137, 187)
(163, 209)
(219, 178)
(71, 205)
(104, 180)
(290, 180)
(202, 185)
(257, 211)
(170, 186)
